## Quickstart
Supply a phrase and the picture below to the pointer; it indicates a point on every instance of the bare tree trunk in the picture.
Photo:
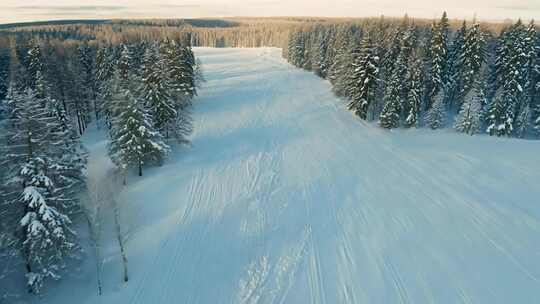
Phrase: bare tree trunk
(120, 240)
(96, 111)
(95, 232)
(92, 211)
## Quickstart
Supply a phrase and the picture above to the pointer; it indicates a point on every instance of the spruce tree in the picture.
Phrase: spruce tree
(523, 122)
(389, 117)
(471, 59)
(439, 56)
(180, 62)
(134, 140)
(156, 90)
(436, 116)
(363, 80)
(500, 116)
(338, 73)
(35, 64)
(320, 66)
(454, 82)
(469, 117)
(105, 69)
(39, 187)
(414, 94)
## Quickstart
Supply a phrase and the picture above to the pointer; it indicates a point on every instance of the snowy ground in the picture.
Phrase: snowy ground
(285, 197)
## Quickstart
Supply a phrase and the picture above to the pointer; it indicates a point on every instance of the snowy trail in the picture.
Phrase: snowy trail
(287, 198)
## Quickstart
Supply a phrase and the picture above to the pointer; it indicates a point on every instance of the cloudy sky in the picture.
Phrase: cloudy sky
(32, 10)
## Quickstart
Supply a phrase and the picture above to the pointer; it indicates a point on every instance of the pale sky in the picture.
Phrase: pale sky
(34, 10)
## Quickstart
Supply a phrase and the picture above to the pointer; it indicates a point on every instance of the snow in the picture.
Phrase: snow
(285, 197)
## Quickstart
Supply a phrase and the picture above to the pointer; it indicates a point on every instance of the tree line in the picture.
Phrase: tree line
(139, 92)
(410, 75)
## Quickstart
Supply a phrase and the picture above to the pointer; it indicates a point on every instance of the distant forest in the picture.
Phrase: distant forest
(435, 59)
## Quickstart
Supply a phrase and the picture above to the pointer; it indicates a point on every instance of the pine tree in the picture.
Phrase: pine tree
(338, 73)
(471, 59)
(363, 80)
(454, 82)
(397, 88)
(87, 67)
(156, 90)
(105, 69)
(435, 117)
(180, 61)
(319, 54)
(124, 65)
(47, 236)
(523, 122)
(199, 73)
(439, 56)
(35, 64)
(40, 187)
(500, 116)
(134, 139)
(512, 76)
(389, 117)
(468, 119)
(297, 49)
(414, 94)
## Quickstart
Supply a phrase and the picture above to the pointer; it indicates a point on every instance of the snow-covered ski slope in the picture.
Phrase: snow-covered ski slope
(285, 197)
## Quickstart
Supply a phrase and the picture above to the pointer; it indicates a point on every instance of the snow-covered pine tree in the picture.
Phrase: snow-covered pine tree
(156, 88)
(338, 74)
(105, 69)
(523, 124)
(319, 65)
(529, 55)
(512, 75)
(87, 67)
(500, 63)
(180, 62)
(389, 117)
(436, 116)
(309, 50)
(454, 81)
(35, 188)
(414, 93)
(134, 139)
(402, 65)
(124, 65)
(47, 235)
(329, 55)
(199, 73)
(500, 116)
(439, 56)
(471, 59)
(469, 118)
(363, 79)
(35, 64)
(297, 49)
(397, 87)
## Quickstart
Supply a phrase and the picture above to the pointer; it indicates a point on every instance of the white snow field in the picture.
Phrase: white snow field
(285, 197)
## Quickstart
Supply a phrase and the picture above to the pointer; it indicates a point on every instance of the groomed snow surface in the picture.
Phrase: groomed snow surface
(285, 197)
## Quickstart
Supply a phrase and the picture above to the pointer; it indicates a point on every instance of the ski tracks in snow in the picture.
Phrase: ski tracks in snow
(285, 197)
